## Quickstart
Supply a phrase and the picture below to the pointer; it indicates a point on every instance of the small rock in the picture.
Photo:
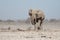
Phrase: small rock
(43, 36)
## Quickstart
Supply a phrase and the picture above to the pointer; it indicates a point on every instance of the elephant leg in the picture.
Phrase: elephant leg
(41, 23)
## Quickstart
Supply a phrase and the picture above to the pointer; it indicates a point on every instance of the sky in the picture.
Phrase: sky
(18, 9)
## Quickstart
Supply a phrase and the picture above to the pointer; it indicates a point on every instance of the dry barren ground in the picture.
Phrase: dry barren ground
(51, 31)
(30, 35)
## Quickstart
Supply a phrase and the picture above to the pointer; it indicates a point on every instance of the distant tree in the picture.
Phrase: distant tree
(9, 20)
(52, 20)
(21, 21)
(0, 20)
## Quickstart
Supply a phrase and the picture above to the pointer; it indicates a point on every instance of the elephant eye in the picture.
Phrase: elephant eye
(30, 14)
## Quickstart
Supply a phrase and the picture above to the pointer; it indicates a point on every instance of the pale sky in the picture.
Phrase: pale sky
(18, 9)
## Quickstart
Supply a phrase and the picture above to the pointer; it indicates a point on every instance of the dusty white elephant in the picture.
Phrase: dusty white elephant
(37, 17)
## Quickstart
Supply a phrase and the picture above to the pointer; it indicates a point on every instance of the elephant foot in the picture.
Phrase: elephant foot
(38, 28)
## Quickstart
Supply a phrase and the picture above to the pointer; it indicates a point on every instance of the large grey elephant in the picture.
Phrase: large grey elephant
(37, 17)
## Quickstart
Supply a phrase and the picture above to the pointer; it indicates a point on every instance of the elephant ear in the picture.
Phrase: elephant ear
(30, 12)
